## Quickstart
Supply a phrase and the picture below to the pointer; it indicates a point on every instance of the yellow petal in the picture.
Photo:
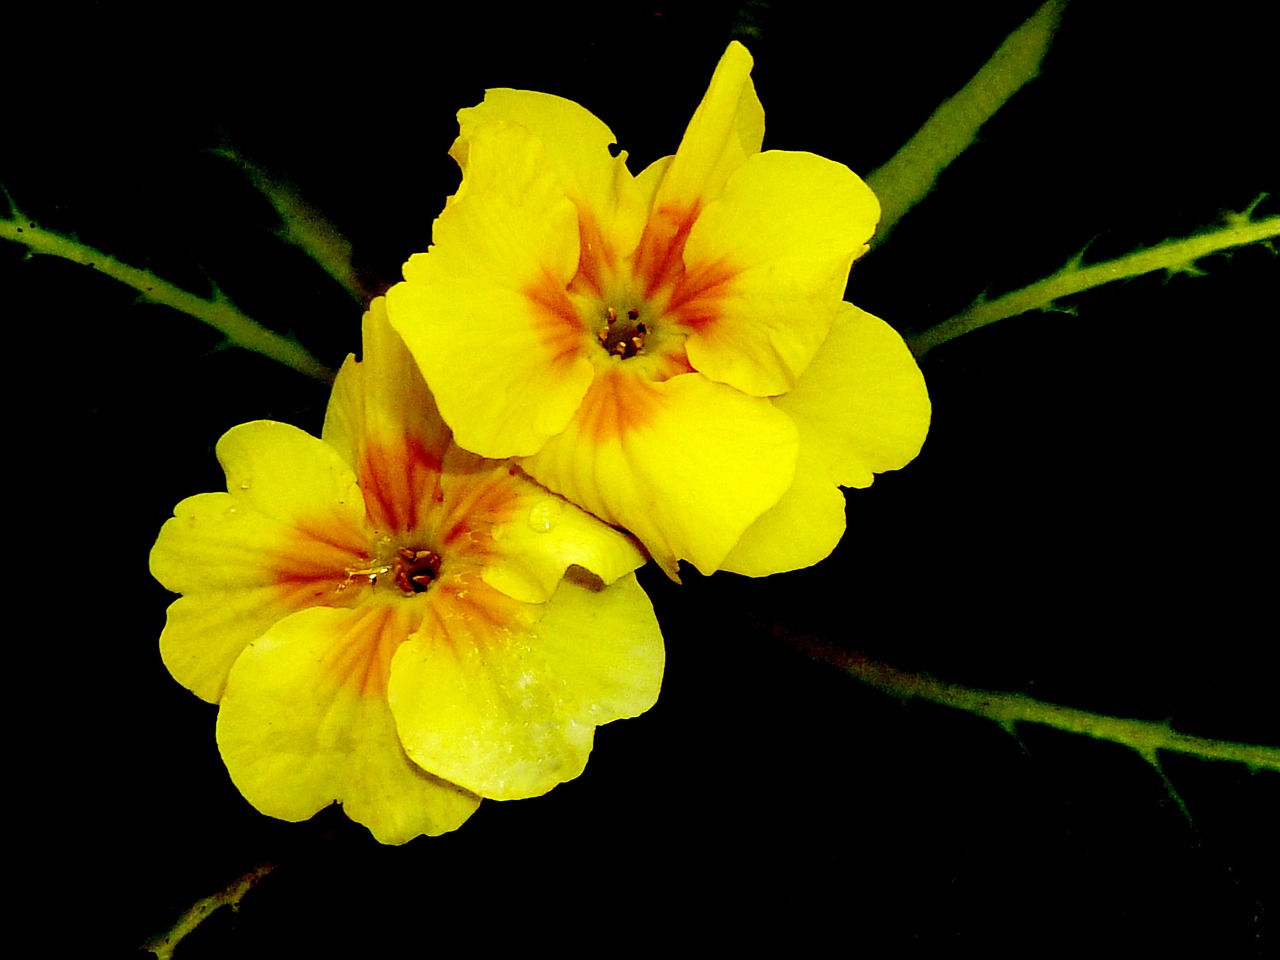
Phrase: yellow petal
(279, 541)
(241, 572)
(384, 423)
(605, 647)
(288, 475)
(577, 151)
(650, 178)
(798, 531)
(485, 313)
(508, 709)
(382, 401)
(205, 633)
(862, 406)
(527, 537)
(685, 465)
(778, 246)
(305, 722)
(727, 127)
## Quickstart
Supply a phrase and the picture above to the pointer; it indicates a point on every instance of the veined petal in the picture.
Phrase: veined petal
(241, 572)
(862, 406)
(280, 540)
(485, 313)
(650, 178)
(214, 542)
(382, 400)
(797, 531)
(523, 538)
(288, 475)
(204, 634)
(605, 647)
(546, 539)
(577, 151)
(685, 464)
(510, 710)
(530, 536)
(726, 129)
(767, 265)
(305, 722)
(383, 421)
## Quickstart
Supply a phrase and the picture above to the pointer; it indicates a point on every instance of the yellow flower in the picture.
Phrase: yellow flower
(393, 623)
(632, 338)
(627, 336)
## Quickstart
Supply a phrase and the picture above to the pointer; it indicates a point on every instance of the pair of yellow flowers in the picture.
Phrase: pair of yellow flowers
(433, 603)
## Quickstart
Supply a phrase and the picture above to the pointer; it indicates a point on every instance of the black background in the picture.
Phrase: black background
(1089, 523)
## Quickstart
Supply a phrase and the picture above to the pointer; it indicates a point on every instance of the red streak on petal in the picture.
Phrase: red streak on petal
(696, 301)
(672, 363)
(558, 324)
(299, 594)
(617, 403)
(395, 481)
(317, 554)
(360, 658)
(476, 504)
(659, 259)
(596, 257)
(467, 614)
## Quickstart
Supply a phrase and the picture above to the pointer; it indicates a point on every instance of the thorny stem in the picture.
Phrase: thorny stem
(910, 173)
(1172, 256)
(229, 896)
(306, 228)
(218, 312)
(1010, 709)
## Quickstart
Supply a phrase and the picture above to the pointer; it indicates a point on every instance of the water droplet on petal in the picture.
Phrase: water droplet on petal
(244, 484)
(545, 514)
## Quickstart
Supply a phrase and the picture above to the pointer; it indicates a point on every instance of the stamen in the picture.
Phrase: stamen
(623, 339)
(416, 569)
(370, 573)
(411, 570)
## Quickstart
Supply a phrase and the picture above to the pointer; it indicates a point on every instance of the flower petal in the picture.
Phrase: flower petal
(241, 569)
(685, 465)
(509, 711)
(305, 723)
(577, 152)
(605, 647)
(288, 475)
(382, 401)
(485, 313)
(862, 406)
(384, 423)
(204, 634)
(798, 531)
(727, 127)
(767, 265)
(523, 536)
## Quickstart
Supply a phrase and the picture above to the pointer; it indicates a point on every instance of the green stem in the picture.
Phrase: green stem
(229, 896)
(1173, 256)
(1010, 709)
(306, 228)
(911, 173)
(218, 312)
